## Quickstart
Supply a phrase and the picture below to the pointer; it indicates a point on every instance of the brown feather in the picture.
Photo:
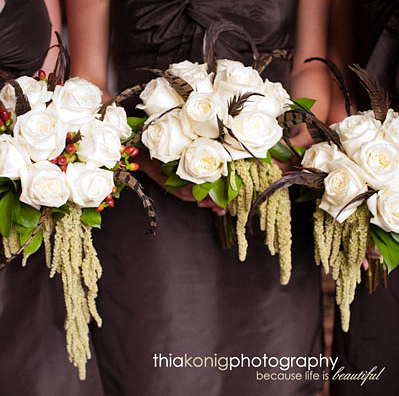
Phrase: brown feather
(339, 79)
(378, 97)
(236, 104)
(61, 71)
(265, 59)
(359, 197)
(22, 105)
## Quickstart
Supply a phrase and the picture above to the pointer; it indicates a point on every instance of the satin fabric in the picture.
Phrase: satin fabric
(179, 292)
(33, 356)
(372, 339)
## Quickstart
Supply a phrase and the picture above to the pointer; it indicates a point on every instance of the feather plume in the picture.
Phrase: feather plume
(22, 105)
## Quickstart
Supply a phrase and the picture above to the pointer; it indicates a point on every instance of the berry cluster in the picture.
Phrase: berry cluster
(109, 200)
(127, 153)
(41, 76)
(5, 121)
(68, 155)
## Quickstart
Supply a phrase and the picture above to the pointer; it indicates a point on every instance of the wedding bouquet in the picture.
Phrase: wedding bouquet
(354, 177)
(214, 126)
(61, 164)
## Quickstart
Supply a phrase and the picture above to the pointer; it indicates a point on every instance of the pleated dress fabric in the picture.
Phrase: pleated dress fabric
(179, 292)
(372, 340)
(33, 357)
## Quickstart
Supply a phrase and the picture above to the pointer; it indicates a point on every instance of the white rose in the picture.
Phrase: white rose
(390, 128)
(324, 156)
(234, 78)
(36, 92)
(44, 184)
(164, 137)
(41, 133)
(88, 186)
(356, 130)
(116, 116)
(199, 115)
(274, 99)
(341, 186)
(13, 158)
(100, 144)
(257, 131)
(204, 160)
(77, 101)
(379, 161)
(193, 73)
(384, 206)
(158, 97)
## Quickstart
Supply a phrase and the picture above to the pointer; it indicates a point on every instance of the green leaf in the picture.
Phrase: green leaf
(169, 167)
(395, 236)
(388, 247)
(231, 194)
(300, 150)
(173, 182)
(6, 213)
(218, 193)
(200, 191)
(307, 103)
(91, 217)
(267, 160)
(136, 122)
(281, 152)
(25, 215)
(25, 234)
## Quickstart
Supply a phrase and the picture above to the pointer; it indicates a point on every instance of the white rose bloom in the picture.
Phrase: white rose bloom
(77, 101)
(13, 158)
(44, 184)
(384, 206)
(234, 78)
(193, 73)
(165, 138)
(100, 144)
(356, 130)
(199, 115)
(257, 131)
(41, 133)
(204, 160)
(88, 186)
(158, 97)
(341, 186)
(274, 102)
(379, 161)
(324, 156)
(116, 116)
(390, 128)
(36, 92)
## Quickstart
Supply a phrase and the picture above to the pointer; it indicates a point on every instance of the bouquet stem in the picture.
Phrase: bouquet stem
(225, 230)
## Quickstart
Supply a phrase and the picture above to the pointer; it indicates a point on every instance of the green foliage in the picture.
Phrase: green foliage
(218, 193)
(387, 244)
(169, 167)
(91, 217)
(174, 182)
(25, 215)
(6, 212)
(200, 191)
(281, 152)
(25, 233)
(307, 103)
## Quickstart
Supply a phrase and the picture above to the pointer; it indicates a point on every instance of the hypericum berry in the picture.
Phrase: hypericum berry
(132, 151)
(1, 122)
(62, 160)
(68, 136)
(114, 189)
(50, 76)
(100, 208)
(5, 115)
(54, 160)
(36, 78)
(64, 167)
(110, 202)
(70, 148)
(122, 149)
(41, 74)
(133, 166)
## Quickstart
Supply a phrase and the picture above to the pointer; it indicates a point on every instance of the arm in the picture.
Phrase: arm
(53, 8)
(311, 79)
(88, 33)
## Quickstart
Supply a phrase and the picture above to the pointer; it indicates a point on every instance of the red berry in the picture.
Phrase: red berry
(100, 208)
(41, 74)
(70, 148)
(54, 161)
(50, 76)
(122, 149)
(132, 151)
(1, 122)
(64, 167)
(111, 202)
(36, 78)
(108, 197)
(68, 136)
(59, 83)
(114, 189)
(133, 166)
(62, 160)
(5, 115)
